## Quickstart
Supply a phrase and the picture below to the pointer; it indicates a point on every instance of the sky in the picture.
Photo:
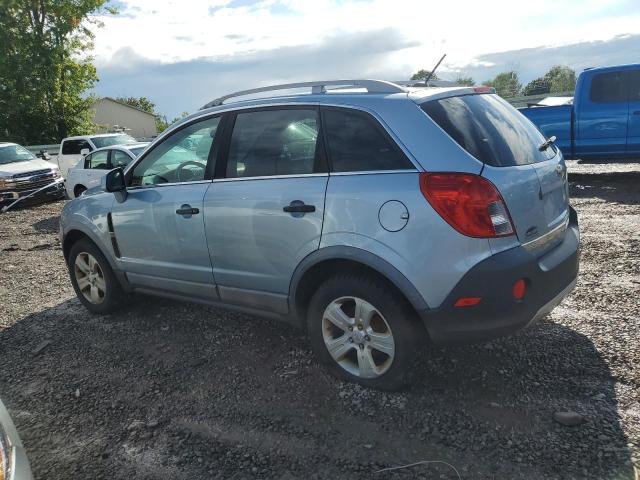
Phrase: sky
(182, 54)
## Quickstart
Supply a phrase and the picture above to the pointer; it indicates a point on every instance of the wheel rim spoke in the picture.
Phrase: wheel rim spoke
(383, 342)
(336, 316)
(366, 365)
(364, 312)
(100, 283)
(339, 347)
(82, 264)
(83, 283)
(95, 295)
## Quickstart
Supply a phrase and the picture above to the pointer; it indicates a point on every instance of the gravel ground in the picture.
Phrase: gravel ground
(171, 390)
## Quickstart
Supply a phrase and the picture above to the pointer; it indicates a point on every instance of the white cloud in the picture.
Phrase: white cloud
(260, 41)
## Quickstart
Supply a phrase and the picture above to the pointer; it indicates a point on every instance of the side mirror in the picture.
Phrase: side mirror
(84, 152)
(113, 181)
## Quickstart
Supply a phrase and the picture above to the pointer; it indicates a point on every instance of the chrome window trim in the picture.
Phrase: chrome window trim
(374, 172)
(172, 184)
(270, 177)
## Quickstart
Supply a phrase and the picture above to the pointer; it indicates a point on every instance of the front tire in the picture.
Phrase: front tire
(363, 331)
(93, 279)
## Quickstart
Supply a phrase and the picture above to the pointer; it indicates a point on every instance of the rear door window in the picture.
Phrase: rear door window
(490, 129)
(119, 159)
(274, 142)
(609, 87)
(357, 142)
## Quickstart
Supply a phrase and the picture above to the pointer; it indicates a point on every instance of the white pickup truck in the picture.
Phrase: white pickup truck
(73, 148)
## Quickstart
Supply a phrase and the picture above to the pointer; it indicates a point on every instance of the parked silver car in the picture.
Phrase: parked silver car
(13, 459)
(377, 217)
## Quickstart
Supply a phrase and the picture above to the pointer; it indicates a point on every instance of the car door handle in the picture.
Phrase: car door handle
(187, 210)
(298, 206)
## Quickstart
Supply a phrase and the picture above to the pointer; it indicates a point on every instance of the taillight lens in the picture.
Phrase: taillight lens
(469, 203)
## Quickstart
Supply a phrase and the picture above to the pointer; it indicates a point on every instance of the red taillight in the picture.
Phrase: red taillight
(469, 203)
(484, 89)
(519, 289)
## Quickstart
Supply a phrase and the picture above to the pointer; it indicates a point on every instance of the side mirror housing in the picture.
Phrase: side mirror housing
(113, 181)
(84, 152)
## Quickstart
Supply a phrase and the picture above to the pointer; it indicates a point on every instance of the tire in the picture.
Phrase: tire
(391, 369)
(101, 291)
(79, 190)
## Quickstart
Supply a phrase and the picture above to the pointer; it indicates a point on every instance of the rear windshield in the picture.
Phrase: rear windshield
(101, 142)
(489, 129)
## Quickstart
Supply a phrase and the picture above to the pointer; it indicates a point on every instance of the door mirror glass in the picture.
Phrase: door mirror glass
(84, 152)
(114, 181)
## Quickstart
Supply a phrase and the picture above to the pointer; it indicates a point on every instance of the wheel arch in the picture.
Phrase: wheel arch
(323, 263)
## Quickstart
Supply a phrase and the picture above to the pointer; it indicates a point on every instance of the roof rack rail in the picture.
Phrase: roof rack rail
(317, 87)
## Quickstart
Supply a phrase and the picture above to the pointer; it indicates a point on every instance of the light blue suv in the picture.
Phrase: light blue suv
(380, 218)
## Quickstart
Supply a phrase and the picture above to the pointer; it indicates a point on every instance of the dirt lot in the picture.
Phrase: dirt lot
(171, 390)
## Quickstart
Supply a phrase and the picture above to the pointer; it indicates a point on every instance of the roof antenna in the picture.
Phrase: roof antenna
(426, 82)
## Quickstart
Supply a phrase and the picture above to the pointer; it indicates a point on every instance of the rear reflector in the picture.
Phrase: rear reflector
(467, 302)
(469, 203)
(519, 289)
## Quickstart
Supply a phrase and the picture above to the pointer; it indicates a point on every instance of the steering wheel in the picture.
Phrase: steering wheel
(179, 170)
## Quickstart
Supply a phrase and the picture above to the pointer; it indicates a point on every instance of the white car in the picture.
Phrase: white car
(90, 169)
(73, 148)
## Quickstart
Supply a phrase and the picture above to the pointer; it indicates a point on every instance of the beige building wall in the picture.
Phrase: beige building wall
(137, 123)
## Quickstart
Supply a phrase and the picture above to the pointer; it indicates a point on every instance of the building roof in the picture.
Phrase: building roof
(125, 104)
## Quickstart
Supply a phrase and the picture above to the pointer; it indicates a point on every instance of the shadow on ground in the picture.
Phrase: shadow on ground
(170, 390)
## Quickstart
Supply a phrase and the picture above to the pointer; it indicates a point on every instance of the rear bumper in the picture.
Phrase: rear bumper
(549, 279)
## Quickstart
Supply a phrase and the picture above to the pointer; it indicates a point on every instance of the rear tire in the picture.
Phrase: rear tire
(93, 279)
(369, 328)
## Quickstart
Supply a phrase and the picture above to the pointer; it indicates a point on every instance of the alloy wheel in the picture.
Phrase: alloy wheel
(90, 278)
(358, 337)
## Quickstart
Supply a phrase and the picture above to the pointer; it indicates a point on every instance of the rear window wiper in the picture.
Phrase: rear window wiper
(550, 141)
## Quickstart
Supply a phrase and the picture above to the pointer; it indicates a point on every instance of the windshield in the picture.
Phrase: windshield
(489, 129)
(14, 153)
(100, 142)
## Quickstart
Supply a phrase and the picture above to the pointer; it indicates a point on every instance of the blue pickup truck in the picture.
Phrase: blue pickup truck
(604, 120)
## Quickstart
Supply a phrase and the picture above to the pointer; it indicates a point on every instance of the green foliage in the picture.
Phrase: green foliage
(507, 84)
(557, 80)
(423, 74)
(465, 81)
(45, 71)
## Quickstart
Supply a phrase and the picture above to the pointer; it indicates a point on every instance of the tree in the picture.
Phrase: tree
(507, 84)
(45, 69)
(423, 74)
(143, 103)
(557, 80)
(466, 81)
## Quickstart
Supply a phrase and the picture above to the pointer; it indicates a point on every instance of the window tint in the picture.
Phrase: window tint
(119, 158)
(74, 147)
(97, 160)
(273, 142)
(356, 142)
(489, 129)
(634, 86)
(608, 87)
(182, 157)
